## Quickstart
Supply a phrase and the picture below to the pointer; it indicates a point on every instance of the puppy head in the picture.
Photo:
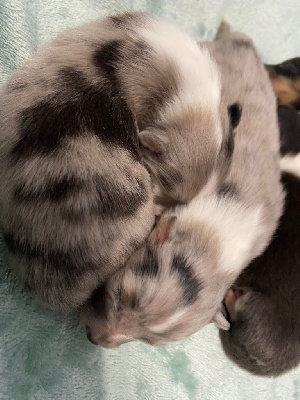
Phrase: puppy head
(190, 152)
(259, 339)
(168, 290)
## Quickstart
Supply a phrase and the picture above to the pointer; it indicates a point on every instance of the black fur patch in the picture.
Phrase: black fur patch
(190, 284)
(149, 267)
(69, 263)
(242, 43)
(56, 276)
(18, 247)
(234, 113)
(115, 201)
(228, 189)
(134, 302)
(105, 60)
(289, 124)
(55, 190)
(37, 131)
(63, 188)
(157, 96)
(228, 146)
(98, 301)
(296, 104)
(289, 68)
(76, 107)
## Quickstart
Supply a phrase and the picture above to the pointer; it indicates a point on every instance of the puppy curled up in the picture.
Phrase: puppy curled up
(264, 302)
(175, 284)
(76, 196)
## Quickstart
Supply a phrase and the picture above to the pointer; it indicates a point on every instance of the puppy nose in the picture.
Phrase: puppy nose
(89, 335)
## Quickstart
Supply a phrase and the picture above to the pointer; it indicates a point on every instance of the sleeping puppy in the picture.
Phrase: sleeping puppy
(81, 126)
(285, 79)
(263, 304)
(175, 284)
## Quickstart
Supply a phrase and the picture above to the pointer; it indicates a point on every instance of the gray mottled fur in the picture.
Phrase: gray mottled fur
(76, 198)
(198, 250)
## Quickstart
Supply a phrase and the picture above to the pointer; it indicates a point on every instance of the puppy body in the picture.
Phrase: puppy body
(175, 284)
(76, 197)
(264, 302)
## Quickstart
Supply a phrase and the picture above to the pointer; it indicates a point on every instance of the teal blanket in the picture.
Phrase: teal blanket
(44, 354)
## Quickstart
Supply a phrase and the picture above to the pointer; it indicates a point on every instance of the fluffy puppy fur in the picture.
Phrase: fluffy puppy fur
(176, 282)
(76, 198)
(285, 78)
(263, 304)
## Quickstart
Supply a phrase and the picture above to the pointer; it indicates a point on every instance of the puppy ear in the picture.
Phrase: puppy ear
(165, 228)
(156, 142)
(220, 321)
(234, 114)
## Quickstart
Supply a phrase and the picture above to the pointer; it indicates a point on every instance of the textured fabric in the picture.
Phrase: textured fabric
(45, 355)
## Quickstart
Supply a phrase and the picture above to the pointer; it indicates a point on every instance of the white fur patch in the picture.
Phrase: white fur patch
(291, 164)
(237, 227)
(169, 323)
(198, 74)
(238, 242)
(210, 185)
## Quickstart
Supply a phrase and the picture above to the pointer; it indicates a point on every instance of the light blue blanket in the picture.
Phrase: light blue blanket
(45, 355)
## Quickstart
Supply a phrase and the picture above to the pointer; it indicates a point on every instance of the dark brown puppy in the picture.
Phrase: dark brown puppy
(289, 123)
(263, 305)
(285, 78)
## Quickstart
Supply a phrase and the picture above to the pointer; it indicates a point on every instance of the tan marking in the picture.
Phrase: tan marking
(286, 90)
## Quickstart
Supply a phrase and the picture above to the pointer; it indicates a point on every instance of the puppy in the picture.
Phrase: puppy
(263, 304)
(285, 79)
(175, 283)
(76, 197)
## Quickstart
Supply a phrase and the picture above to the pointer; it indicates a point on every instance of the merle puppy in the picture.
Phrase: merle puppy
(76, 196)
(175, 284)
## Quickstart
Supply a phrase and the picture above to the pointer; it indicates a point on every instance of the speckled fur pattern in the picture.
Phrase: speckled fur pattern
(175, 284)
(76, 198)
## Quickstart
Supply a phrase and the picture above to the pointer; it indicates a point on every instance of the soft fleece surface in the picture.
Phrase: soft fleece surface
(45, 355)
